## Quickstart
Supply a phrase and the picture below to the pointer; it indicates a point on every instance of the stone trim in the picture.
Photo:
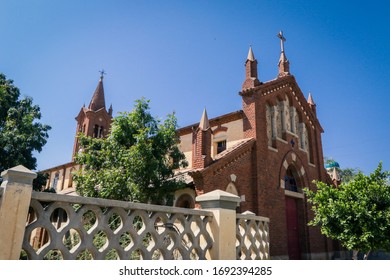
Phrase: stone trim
(294, 194)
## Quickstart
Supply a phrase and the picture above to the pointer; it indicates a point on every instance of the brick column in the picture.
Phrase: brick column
(14, 204)
(223, 226)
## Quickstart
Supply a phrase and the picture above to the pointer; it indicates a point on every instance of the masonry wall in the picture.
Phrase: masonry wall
(272, 162)
(239, 172)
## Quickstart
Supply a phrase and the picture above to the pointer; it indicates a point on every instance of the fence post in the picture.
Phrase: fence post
(223, 225)
(14, 205)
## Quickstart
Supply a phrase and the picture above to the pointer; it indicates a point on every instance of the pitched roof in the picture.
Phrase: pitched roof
(227, 156)
(233, 148)
(213, 122)
(97, 101)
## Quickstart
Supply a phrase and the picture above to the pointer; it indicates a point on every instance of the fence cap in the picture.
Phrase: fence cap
(18, 174)
(218, 199)
(248, 213)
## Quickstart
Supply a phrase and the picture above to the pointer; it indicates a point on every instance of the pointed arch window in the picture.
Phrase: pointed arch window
(282, 117)
(290, 182)
(98, 131)
(293, 113)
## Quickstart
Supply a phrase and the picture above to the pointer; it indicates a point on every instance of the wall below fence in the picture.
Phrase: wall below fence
(73, 227)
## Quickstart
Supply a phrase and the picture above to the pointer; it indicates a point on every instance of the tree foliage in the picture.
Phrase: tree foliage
(135, 162)
(357, 213)
(20, 132)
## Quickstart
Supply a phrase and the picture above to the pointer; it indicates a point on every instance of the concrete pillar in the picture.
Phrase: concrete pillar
(223, 225)
(14, 205)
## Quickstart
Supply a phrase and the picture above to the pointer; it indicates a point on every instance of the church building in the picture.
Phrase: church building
(266, 153)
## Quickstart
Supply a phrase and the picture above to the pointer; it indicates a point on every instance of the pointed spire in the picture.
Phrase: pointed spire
(250, 57)
(251, 79)
(201, 143)
(311, 103)
(204, 121)
(283, 64)
(97, 101)
(310, 99)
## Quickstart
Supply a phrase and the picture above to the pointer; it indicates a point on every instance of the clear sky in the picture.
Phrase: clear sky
(188, 55)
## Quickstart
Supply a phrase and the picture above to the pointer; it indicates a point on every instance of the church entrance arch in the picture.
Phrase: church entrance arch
(293, 181)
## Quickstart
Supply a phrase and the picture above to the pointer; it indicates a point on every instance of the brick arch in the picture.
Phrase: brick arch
(185, 201)
(291, 159)
(220, 129)
(282, 96)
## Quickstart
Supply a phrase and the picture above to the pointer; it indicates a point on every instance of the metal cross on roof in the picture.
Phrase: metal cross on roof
(282, 40)
(102, 73)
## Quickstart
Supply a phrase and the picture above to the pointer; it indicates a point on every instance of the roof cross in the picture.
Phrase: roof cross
(102, 73)
(282, 40)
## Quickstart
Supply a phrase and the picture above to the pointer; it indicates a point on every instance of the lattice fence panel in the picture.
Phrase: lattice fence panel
(66, 227)
(252, 237)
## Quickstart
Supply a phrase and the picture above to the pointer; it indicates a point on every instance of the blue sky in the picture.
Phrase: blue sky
(187, 55)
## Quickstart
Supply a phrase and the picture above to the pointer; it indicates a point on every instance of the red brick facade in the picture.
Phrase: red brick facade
(279, 155)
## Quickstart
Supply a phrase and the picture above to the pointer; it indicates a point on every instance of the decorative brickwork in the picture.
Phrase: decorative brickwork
(279, 155)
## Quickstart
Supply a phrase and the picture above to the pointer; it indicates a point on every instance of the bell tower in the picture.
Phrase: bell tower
(94, 120)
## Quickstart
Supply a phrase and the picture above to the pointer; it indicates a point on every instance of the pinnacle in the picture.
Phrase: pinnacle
(310, 99)
(204, 121)
(251, 56)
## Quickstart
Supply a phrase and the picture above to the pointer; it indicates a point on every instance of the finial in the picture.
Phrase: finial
(102, 73)
(282, 40)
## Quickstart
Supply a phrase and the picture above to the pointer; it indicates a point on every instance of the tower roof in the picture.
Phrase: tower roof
(204, 121)
(332, 164)
(97, 101)
(251, 56)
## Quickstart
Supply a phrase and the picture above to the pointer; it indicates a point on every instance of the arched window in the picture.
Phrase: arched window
(282, 118)
(70, 180)
(98, 131)
(270, 132)
(95, 131)
(55, 181)
(293, 113)
(273, 122)
(291, 182)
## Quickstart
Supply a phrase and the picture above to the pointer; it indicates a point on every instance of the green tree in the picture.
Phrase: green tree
(136, 162)
(20, 132)
(356, 213)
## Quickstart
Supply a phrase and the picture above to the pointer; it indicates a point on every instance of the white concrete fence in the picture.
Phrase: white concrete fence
(36, 225)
